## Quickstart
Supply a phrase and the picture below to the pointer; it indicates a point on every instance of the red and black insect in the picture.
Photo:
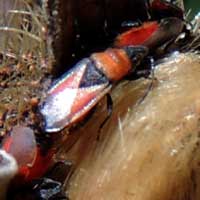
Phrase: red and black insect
(97, 23)
(79, 90)
(151, 34)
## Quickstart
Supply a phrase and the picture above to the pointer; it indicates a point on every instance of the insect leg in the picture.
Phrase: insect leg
(150, 86)
(109, 112)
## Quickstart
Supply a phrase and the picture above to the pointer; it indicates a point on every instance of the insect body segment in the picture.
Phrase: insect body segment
(114, 63)
(151, 34)
(137, 35)
(73, 96)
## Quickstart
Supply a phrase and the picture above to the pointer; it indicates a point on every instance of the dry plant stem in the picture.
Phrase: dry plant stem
(22, 32)
(147, 151)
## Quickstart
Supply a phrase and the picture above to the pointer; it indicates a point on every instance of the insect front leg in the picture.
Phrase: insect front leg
(109, 112)
(151, 76)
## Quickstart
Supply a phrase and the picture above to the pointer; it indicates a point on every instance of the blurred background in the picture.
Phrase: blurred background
(194, 5)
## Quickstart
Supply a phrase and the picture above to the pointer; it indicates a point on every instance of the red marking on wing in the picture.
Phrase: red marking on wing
(85, 96)
(72, 79)
(85, 99)
(137, 35)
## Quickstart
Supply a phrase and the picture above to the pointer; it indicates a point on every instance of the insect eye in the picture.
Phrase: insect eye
(136, 53)
(137, 59)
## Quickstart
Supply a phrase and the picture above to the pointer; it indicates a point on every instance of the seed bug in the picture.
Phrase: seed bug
(155, 35)
(151, 34)
(80, 89)
(71, 98)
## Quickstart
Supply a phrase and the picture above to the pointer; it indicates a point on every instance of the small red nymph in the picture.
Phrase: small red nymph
(32, 163)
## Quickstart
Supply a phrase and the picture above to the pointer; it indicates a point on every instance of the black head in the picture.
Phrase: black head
(136, 53)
